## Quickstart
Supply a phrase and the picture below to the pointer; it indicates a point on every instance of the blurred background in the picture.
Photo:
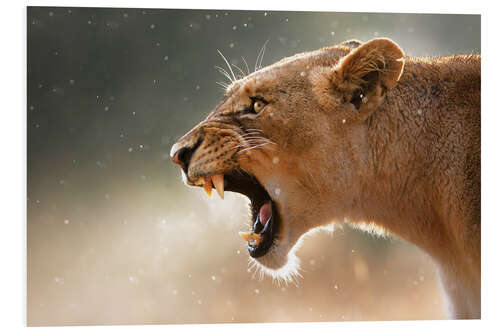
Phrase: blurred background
(114, 237)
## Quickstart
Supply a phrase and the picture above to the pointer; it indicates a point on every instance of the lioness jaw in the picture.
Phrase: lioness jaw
(354, 132)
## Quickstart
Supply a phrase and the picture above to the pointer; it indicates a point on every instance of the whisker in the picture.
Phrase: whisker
(228, 65)
(223, 85)
(254, 129)
(260, 56)
(263, 51)
(242, 73)
(224, 72)
(251, 148)
(248, 70)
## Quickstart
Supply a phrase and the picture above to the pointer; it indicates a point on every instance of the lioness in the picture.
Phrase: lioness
(353, 133)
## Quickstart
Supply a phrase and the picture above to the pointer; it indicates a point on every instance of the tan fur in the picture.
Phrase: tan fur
(405, 157)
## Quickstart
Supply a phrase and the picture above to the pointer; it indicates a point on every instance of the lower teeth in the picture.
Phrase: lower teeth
(252, 238)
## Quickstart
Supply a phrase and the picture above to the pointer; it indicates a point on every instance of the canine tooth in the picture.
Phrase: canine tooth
(218, 181)
(252, 238)
(199, 181)
(245, 235)
(207, 186)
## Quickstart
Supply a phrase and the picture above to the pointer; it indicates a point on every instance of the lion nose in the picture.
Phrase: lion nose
(181, 154)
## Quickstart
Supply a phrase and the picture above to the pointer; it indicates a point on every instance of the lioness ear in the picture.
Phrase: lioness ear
(367, 72)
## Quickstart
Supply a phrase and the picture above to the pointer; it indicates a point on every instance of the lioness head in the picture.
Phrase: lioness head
(290, 137)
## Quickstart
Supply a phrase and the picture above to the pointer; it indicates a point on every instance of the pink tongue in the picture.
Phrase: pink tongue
(265, 213)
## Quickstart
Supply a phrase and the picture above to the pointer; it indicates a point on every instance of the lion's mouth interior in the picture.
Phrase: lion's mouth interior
(263, 209)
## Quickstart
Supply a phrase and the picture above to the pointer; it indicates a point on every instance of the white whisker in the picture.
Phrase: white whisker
(228, 65)
(223, 85)
(224, 72)
(241, 71)
(260, 56)
(246, 65)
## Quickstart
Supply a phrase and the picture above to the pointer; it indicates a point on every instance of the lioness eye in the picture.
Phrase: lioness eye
(257, 105)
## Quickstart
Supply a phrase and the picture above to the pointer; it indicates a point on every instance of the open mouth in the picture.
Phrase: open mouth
(264, 212)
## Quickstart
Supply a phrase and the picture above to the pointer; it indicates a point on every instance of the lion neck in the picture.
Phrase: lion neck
(406, 170)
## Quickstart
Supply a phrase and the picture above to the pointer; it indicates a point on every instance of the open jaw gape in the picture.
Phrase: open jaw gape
(263, 211)
(355, 132)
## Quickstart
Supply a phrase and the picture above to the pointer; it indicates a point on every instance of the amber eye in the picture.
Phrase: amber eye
(257, 105)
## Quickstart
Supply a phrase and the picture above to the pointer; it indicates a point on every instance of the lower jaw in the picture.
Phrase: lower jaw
(269, 234)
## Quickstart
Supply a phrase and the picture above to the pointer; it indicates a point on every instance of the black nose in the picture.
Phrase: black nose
(182, 155)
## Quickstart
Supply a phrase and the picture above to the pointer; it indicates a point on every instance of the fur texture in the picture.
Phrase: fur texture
(360, 133)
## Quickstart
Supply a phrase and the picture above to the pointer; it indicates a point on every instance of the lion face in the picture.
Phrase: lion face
(286, 137)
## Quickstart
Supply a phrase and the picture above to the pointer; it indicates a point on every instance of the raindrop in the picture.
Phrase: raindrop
(265, 14)
(130, 149)
(197, 87)
(71, 81)
(106, 108)
(257, 291)
(234, 27)
(332, 33)
(152, 26)
(165, 58)
(213, 278)
(106, 196)
(66, 221)
(175, 292)
(125, 15)
(32, 108)
(199, 302)
(231, 45)
(51, 13)
(207, 16)
(89, 22)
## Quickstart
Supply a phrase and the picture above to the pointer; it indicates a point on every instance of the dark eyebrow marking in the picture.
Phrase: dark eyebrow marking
(283, 92)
